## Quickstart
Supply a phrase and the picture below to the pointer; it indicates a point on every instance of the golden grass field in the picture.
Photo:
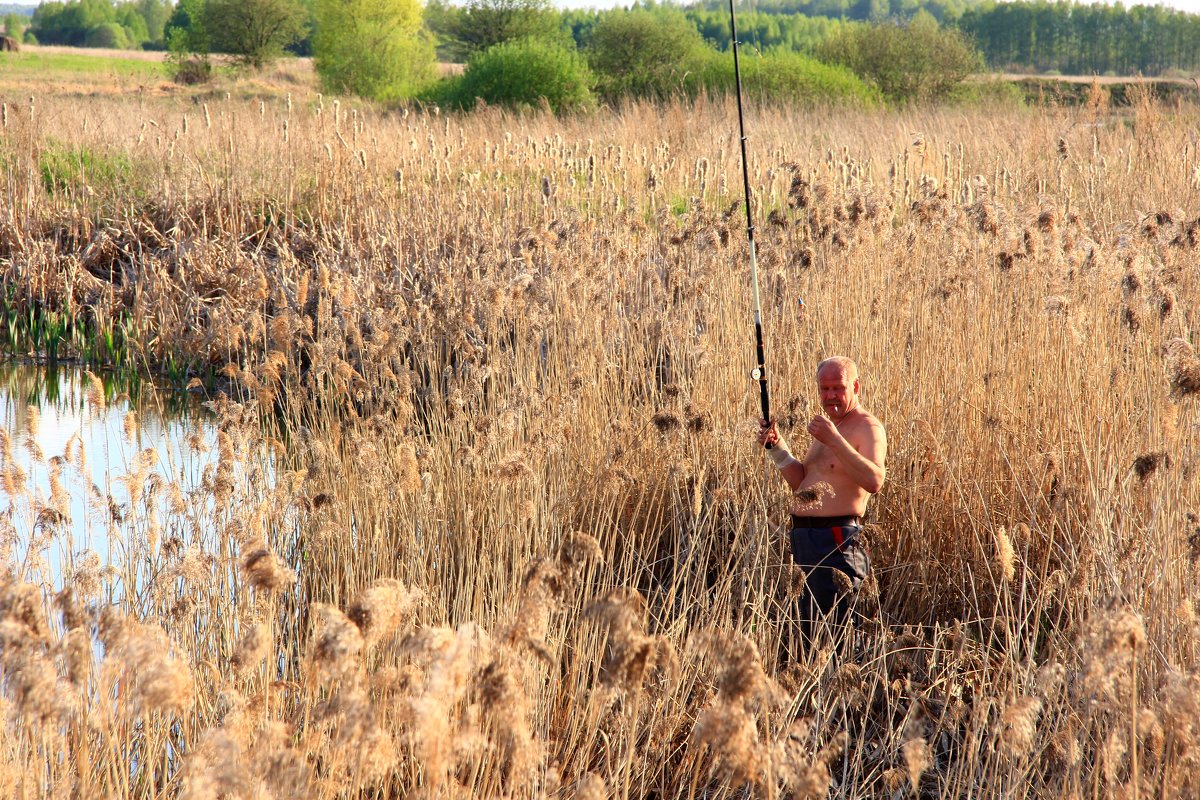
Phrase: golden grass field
(515, 538)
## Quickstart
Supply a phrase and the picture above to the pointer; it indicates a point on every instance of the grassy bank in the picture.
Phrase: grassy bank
(519, 540)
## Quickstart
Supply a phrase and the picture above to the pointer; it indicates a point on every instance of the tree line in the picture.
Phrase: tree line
(1026, 35)
(1021, 35)
(1084, 39)
(130, 24)
(525, 52)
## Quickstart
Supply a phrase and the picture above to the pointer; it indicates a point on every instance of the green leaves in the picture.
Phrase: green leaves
(372, 48)
(525, 72)
(914, 61)
(644, 53)
(255, 31)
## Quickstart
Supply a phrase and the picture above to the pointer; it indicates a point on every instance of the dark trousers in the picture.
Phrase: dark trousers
(820, 552)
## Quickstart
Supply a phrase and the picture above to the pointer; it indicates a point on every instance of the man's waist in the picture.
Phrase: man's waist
(840, 521)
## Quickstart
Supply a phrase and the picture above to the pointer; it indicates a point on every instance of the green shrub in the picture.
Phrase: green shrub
(110, 34)
(255, 32)
(189, 70)
(481, 24)
(783, 76)
(645, 54)
(522, 73)
(372, 48)
(914, 61)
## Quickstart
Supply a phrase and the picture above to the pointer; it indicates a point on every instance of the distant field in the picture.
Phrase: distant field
(77, 70)
(43, 61)
(42, 70)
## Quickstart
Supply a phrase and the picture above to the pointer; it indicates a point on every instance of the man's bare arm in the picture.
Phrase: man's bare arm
(794, 474)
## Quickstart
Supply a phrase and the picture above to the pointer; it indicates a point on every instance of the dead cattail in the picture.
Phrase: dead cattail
(1058, 306)
(1050, 677)
(336, 645)
(1033, 242)
(741, 677)
(815, 781)
(842, 582)
(1020, 720)
(666, 422)
(809, 498)
(216, 768)
(1183, 367)
(252, 648)
(730, 733)
(698, 420)
(514, 467)
(916, 760)
(408, 469)
(95, 392)
(1147, 464)
(1130, 283)
(631, 655)
(591, 787)
(1164, 301)
(77, 655)
(264, 570)
(1005, 557)
(1112, 755)
(507, 710)
(33, 418)
(576, 551)
(1109, 646)
(382, 609)
(161, 679)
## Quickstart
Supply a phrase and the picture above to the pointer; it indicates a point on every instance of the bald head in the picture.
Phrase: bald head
(839, 365)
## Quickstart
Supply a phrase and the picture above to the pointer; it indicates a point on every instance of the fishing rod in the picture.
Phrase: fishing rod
(760, 371)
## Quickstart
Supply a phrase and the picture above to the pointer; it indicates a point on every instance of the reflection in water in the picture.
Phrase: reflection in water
(81, 460)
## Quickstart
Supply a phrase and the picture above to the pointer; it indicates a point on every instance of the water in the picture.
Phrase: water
(45, 536)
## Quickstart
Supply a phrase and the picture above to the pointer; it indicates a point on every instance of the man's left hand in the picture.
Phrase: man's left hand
(823, 430)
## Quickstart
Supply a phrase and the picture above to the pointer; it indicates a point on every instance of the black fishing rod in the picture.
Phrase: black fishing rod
(760, 371)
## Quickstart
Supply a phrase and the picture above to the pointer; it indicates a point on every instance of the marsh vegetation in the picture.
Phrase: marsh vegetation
(517, 540)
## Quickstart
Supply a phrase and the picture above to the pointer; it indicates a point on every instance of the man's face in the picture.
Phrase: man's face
(839, 395)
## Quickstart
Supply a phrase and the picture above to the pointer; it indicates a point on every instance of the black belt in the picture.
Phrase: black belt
(825, 522)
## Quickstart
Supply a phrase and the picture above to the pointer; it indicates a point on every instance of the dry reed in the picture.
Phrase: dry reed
(477, 335)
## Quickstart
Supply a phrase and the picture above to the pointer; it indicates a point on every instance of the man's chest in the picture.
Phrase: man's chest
(822, 459)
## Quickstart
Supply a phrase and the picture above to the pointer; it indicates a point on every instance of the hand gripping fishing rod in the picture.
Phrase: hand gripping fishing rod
(760, 371)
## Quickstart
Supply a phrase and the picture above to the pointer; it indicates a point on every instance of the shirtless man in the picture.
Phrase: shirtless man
(843, 467)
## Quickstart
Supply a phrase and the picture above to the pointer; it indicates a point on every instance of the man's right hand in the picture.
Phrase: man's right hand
(768, 433)
(776, 446)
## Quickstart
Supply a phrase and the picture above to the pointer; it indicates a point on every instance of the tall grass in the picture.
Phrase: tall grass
(493, 522)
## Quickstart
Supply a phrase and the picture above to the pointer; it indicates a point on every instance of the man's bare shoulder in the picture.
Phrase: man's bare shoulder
(867, 421)
(866, 429)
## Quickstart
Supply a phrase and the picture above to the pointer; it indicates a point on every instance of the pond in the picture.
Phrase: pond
(80, 454)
